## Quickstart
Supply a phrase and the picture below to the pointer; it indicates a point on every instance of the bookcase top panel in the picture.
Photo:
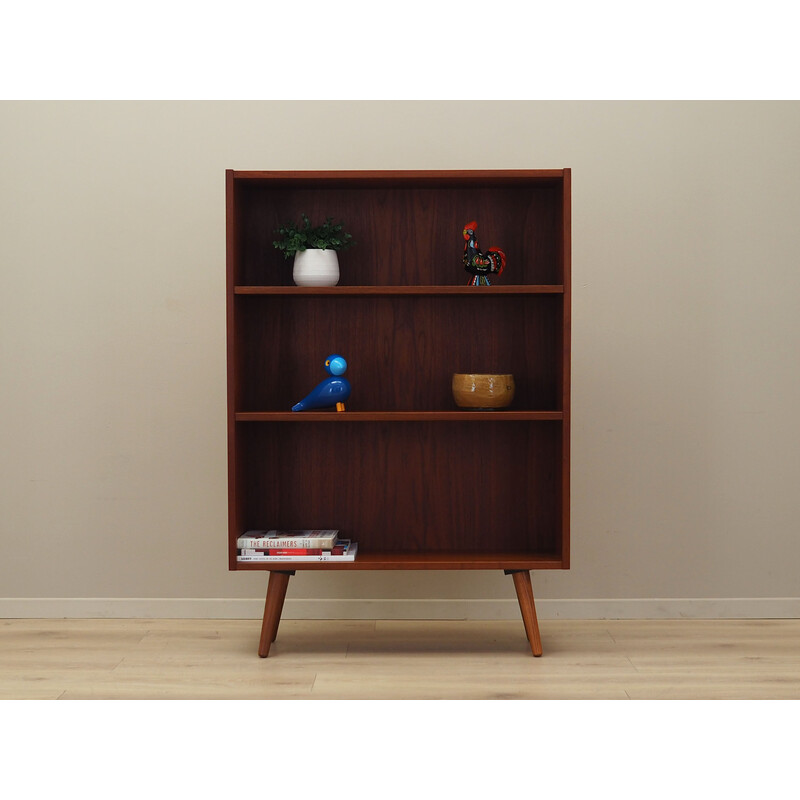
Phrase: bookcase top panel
(386, 178)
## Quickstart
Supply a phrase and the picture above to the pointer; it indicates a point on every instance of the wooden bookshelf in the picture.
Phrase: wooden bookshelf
(419, 483)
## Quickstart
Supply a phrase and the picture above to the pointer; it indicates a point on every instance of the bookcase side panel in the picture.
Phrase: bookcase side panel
(233, 356)
(566, 362)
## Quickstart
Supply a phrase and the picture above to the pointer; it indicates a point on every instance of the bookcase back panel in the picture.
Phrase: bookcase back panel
(401, 351)
(407, 487)
(406, 236)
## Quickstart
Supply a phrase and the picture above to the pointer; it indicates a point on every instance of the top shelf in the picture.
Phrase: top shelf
(400, 290)
(407, 227)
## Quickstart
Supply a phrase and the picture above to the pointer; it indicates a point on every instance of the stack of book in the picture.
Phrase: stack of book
(310, 545)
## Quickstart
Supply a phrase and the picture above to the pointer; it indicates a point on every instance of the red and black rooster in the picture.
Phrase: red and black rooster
(478, 263)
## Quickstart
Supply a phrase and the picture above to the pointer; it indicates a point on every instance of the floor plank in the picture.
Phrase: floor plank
(399, 659)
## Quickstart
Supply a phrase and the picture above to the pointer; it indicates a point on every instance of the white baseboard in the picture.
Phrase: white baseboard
(228, 608)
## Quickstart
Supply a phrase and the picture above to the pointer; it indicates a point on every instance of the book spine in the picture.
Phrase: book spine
(323, 557)
(287, 540)
(249, 543)
(301, 551)
(268, 559)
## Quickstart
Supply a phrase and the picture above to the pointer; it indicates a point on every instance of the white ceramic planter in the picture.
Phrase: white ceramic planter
(316, 268)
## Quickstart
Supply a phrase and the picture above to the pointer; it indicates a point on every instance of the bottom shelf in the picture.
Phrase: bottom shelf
(456, 495)
(417, 561)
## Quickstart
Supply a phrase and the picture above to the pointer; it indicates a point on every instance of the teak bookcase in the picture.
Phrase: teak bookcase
(417, 482)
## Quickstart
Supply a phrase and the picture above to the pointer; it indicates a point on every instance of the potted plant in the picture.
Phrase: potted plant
(314, 249)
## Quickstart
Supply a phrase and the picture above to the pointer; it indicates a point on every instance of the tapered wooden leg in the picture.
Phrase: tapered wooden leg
(276, 594)
(522, 583)
(280, 607)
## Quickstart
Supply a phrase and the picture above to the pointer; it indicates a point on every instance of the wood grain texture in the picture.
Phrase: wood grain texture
(233, 356)
(564, 377)
(398, 659)
(401, 178)
(446, 489)
(414, 488)
(527, 606)
(399, 416)
(422, 560)
(338, 291)
(405, 236)
(401, 352)
(276, 594)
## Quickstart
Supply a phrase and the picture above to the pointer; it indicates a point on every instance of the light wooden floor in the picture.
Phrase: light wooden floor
(204, 659)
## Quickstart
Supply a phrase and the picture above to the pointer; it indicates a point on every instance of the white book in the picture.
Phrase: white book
(261, 540)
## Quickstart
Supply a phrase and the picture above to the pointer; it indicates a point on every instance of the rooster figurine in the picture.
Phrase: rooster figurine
(478, 263)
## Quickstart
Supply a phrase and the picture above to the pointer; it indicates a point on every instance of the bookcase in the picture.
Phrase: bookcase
(419, 483)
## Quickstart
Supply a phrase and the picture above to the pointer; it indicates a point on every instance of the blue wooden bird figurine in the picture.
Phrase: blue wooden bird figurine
(332, 391)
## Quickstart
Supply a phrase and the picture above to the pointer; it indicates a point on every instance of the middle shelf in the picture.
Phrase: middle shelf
(398, 416)
(401, 351)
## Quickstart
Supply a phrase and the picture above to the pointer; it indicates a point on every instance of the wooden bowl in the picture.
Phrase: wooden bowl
(482, 392)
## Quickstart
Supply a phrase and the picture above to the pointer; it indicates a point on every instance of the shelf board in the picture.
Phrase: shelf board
(398, 416)
(339, 291)
(423, 560)
(413, 179)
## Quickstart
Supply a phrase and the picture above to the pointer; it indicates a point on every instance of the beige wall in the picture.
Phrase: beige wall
(686, 381)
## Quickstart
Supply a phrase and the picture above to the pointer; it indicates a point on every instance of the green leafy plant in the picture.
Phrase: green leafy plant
(296, 238)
